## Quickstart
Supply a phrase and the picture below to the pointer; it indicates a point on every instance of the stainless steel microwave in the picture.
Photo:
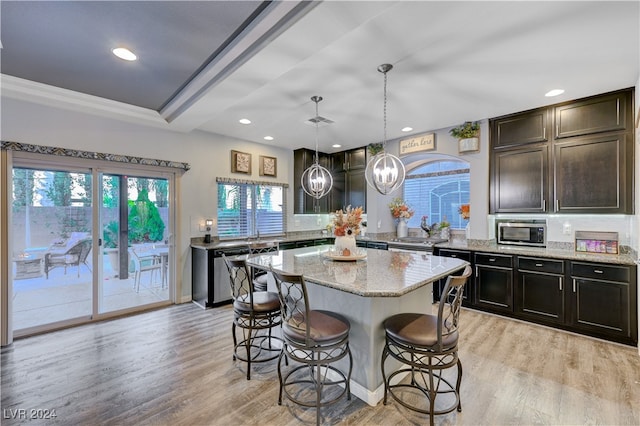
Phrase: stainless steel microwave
(522, 232)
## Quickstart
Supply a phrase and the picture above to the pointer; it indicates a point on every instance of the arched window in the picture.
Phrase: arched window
(437, 189)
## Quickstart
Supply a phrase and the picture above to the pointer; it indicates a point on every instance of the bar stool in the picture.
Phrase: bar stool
(253, 311)
(314, 339)
(426, 345)
(259, 247)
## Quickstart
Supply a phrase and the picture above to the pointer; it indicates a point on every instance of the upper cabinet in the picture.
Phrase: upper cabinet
(584, 166)
(349, 184)
(522, 128)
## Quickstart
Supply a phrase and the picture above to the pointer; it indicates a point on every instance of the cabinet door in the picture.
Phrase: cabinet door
(521, 128)
(593, 175)
(520, 180)
(304, 203)
(494, 288)
(438, 287)
(356, 159)
(356, 189)
(594, 115)
(540, 297)
(601, 307)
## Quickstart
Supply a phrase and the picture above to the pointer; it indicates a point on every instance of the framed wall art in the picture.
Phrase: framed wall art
(240, 162)
(268, 166)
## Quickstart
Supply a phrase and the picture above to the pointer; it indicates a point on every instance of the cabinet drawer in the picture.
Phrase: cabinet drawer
(600, 272)
(541, 265)
(494, 260)
(464, 255)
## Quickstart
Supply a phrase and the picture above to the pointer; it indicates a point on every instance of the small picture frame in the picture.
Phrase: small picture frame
(268, 166)
(240, 162)
(468, 145)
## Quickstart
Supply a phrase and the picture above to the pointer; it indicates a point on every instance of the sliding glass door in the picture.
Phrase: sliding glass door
(87, 243)
(134, 217)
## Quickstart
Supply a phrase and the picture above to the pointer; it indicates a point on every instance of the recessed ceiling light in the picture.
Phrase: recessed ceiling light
(554, 92)
(336, 145)
(245, 121)
(124, 53)
(268, 138)
(407, 129)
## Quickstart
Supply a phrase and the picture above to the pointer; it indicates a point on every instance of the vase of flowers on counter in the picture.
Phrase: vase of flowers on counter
(402, 212)
(346, 225)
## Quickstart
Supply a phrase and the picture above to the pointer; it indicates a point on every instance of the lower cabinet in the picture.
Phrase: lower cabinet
(438, 287)
(603, 300)
(540, 293)
(493, 282)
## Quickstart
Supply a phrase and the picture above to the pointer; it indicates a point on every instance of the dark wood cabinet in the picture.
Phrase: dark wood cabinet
(349, 183)
(520, 180)
(540, 290)
(593, 175)
(438, 286)
(604, 113)
(602, 300)
(303, 203)
(585, 167)
(522, 128)
(493, 289)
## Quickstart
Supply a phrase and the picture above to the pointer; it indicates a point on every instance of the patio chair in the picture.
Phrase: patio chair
(74, 254)
(142, 262)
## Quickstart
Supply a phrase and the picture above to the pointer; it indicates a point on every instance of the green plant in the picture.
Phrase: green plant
(110, 235)
(145, 223)
(375, 148)
(468, 129)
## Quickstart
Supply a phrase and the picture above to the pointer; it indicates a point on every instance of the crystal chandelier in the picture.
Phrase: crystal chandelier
(316, 180)
(385, 172)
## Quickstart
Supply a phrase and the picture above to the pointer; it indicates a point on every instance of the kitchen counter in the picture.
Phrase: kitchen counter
(555, 253)
(366, 292)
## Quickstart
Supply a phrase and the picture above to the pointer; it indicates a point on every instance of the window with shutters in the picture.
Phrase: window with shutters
(246, 208)
(437, 189)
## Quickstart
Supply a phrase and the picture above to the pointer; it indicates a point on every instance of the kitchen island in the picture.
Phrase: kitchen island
(367, 292)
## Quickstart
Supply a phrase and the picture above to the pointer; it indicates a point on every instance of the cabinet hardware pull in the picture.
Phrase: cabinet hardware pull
(598, 271)
(544, 205)
(574, 285)
(544, 133)
(492, 260)
(557, 130)
(557, 205)
(539, 265)
(560, 282)
(477, 271)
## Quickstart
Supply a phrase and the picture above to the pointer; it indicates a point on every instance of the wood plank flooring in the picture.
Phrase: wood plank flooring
(174, 367)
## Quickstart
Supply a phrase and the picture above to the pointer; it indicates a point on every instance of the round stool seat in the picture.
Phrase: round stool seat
(324, 327)
(260, 283)
(263, 301)
(417, 330)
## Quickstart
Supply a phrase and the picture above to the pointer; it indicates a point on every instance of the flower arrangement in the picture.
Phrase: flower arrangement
(347, 222)
(400, 209)
(464, 211)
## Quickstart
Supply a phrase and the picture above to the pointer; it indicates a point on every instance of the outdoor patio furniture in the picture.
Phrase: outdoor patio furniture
(146, 260)
(73, 254)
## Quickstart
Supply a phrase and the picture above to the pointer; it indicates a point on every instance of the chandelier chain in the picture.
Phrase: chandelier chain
(384, 114)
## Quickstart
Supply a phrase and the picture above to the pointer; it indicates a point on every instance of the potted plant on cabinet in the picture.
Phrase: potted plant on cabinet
(468, 135)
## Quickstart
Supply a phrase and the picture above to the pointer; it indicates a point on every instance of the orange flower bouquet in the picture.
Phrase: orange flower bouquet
(347, 222)
(464, 211)
(400, 209)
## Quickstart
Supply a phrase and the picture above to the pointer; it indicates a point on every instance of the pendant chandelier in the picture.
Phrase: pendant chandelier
(316, 180)
(385, 172)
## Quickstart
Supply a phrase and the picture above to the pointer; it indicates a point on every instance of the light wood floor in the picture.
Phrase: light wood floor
(174, 366)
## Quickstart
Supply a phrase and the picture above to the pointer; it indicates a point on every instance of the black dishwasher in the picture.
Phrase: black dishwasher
(210, 282)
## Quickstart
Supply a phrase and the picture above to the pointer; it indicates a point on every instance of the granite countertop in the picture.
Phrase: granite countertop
(380, 274)
(555, 253)
(215, 244)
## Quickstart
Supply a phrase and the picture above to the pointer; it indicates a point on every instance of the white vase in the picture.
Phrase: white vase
(403, 229)
(345, 242)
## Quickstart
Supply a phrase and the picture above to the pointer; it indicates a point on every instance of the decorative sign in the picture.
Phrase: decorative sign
(418, 144)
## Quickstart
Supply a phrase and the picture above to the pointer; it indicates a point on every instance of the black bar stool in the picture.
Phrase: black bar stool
(253, 311)
(314, 339)
(426, 345)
